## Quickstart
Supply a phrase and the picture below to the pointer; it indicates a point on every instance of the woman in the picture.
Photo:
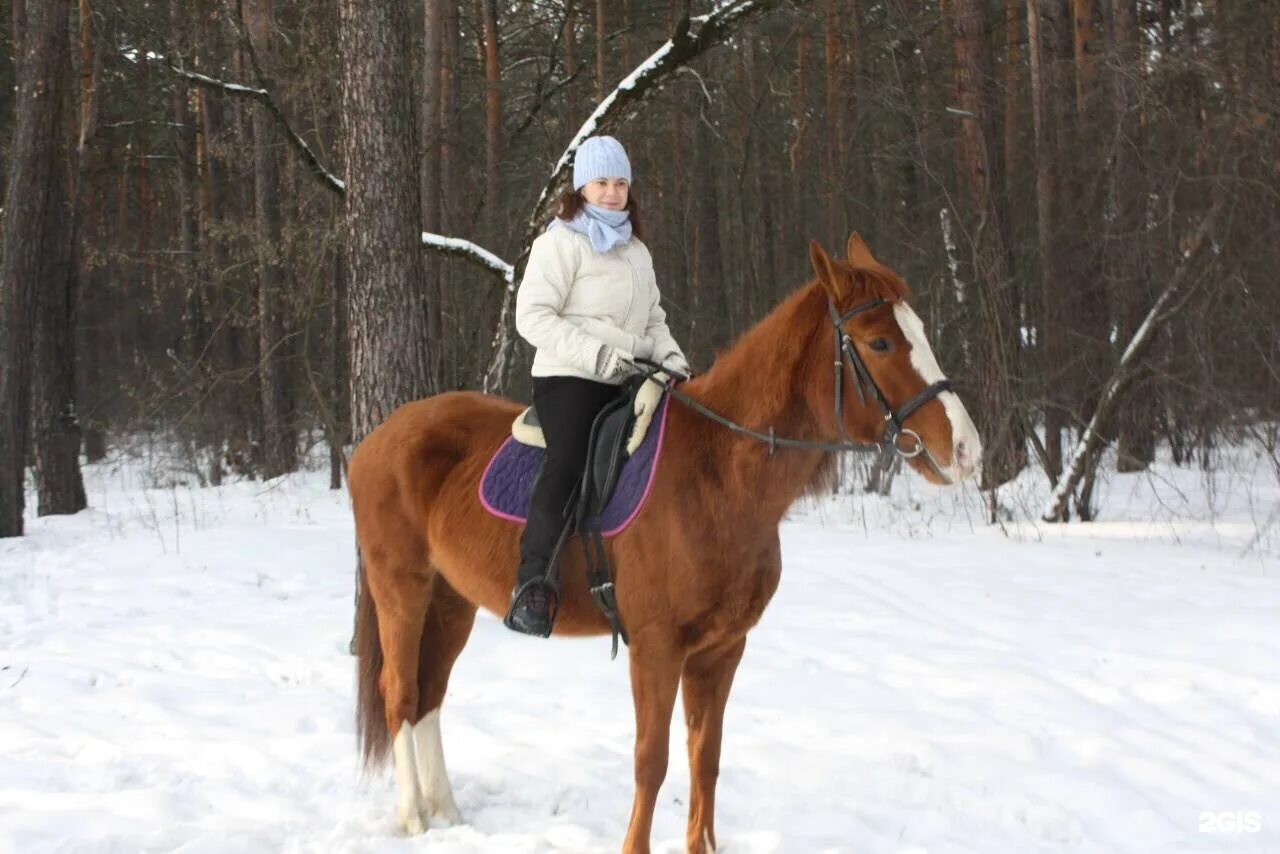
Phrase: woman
(589, 303)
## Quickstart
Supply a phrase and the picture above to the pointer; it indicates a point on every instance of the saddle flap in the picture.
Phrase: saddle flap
(607, 451)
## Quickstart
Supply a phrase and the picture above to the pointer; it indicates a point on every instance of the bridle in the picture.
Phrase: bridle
(895, 419)
(844, 354)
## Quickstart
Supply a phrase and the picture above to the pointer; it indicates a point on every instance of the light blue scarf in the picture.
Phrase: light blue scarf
(603, 227)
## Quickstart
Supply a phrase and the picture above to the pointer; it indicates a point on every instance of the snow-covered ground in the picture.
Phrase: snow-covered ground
(174, 676)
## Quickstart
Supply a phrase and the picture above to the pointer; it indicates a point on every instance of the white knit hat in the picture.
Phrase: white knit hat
(600, 157)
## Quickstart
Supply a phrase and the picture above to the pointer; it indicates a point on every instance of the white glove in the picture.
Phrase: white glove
(646, 402)
(612, 363)
(677, 364)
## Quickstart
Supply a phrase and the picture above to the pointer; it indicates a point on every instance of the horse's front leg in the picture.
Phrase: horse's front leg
(708, 676)
(655, 676)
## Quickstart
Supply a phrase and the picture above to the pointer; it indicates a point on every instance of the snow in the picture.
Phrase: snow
(174, 675)
(466, 247)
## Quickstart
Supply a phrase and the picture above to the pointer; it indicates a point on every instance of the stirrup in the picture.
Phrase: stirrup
(520, 615)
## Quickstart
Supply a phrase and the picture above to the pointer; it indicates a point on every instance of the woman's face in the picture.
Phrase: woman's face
(608, 193)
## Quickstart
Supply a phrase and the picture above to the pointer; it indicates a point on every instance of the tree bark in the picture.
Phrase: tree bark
(1012, 94)
(836, 185)
(570, 62)
(275, 346)
(601, 33)
(19, 31)
(1082, 42)
(451, 175)
(492, 120)
(1048, 338)
(432, 87)
(387, 310)
(710, 296)
(1136, 419)
(996, 343)
(55, 418)
(35, 200)
(341, 391)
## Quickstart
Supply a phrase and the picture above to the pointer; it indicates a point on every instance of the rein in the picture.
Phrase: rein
(844, 353)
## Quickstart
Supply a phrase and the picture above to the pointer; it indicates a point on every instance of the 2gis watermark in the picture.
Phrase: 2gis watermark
(1231, 821)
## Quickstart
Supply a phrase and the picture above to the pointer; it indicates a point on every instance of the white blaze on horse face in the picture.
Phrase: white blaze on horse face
(433, 778)
(966, 447)
(407, 795)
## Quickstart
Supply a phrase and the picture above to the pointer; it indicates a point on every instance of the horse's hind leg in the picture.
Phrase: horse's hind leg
(445, 632)
(399, 579)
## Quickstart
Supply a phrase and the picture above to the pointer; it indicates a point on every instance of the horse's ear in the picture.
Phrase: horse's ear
(827, 276)
(858, 253)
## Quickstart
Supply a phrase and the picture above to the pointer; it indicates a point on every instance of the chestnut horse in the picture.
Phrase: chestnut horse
(693, 571)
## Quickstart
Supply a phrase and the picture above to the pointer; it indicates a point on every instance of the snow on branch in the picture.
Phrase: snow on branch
(648, 78)
(1092, 439)
(464, 249)
(685, 45)
(470, 251)
(262, 96)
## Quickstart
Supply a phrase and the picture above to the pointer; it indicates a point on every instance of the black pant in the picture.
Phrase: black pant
(566, 407)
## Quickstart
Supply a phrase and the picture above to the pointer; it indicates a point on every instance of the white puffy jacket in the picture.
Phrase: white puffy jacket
(573, 301)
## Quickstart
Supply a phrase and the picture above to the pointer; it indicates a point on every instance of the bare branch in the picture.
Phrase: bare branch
(1092, 439)
(645, 80)
(264, 97)
(455, 247)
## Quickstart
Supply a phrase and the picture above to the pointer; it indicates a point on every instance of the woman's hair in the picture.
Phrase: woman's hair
(571, 202)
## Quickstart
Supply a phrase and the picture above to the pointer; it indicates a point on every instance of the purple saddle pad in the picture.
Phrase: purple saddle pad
(508, 479)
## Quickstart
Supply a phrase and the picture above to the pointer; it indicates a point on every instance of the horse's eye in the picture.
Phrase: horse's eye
(881, 345)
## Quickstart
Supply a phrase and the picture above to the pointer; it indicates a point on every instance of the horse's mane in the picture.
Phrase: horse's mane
(757, 373)
(786, 335)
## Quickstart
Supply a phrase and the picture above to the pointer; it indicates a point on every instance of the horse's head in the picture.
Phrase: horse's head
(890, 379)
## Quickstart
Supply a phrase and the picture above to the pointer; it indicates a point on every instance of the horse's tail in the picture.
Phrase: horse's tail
(371, 718)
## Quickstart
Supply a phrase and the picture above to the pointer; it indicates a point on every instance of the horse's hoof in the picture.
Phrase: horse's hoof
(446, 814)
(411, 820)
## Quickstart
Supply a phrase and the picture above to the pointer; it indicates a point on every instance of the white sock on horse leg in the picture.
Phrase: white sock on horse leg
(408, 798)
(433, 778)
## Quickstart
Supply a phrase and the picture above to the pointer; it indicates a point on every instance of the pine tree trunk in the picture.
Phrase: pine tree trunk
(492, 121)
(451, 192)
(19, 30)
(1012, 94)
(35, 201)
(836, 187)
(1136, 426)
(602, 31)
(995, 341)
(55, 416)
(431, 142)
(711, 297)
(390, 364)
(341, 391)
(570, 65)
(275, 346)
(1048, 341)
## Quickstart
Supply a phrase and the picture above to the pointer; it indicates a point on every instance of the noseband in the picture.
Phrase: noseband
(844, 353)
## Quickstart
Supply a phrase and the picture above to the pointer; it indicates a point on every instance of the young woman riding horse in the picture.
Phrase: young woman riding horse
(696, 567)
(590, 305)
